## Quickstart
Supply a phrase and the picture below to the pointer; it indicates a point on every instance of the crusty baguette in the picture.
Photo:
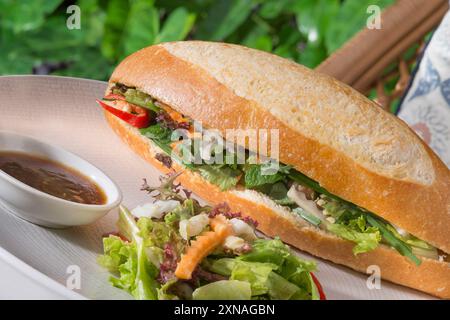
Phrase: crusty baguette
(431, 276)
(328, 131)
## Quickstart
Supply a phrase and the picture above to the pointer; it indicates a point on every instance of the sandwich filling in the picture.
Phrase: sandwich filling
(302, 196)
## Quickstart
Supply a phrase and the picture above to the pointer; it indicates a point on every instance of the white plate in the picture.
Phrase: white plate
(63, 111)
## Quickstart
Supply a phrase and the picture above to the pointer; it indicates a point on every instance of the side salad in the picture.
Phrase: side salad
(174, 248)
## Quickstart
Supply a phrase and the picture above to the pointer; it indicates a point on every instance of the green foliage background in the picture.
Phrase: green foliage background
(34, 33)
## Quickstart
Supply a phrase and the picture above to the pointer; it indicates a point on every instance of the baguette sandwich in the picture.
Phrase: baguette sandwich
(354, 184)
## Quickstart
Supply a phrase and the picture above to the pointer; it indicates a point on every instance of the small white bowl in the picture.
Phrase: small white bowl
(44, 209)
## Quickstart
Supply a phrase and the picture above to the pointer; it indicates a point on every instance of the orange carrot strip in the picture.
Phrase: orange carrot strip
(203, 246)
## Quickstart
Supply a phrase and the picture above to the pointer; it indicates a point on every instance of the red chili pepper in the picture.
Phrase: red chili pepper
(139, 120)
(114, 96)
(319, 287)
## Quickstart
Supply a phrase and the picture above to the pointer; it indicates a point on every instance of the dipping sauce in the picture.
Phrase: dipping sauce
(51, 177)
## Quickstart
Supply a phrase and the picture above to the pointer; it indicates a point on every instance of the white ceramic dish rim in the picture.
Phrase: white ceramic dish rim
(38, 276)
(95, 207)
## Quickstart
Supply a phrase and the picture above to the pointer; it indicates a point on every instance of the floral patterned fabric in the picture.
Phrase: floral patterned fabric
(426, 106)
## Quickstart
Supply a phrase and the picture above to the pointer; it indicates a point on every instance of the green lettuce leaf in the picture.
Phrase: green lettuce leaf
(157, 132)
(184, 211)
(351, 224)
(224, 290)
(160, 135)
(116, 253)
(254, 176)
(298, 272)
(278, 192)
(163, 292)
(264, 265)
(221, 175)
(154, 233)
(366, 238)
(222, 266)
(274, 251)
(136, 273)
(255, 273)
(265, 281)
(281, 289)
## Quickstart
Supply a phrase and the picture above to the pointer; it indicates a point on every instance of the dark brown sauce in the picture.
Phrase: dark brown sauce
(51, 177)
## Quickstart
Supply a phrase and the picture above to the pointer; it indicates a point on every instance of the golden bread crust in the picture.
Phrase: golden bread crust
(413, 195)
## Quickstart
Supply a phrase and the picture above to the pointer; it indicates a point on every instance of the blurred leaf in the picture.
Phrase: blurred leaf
(312, 55)
(20, 16)
(223, 18)
(191, 5)
(87, 63)
(53, 37)
(15, 58)
(258, 41)
(92, 22)
(273, 8)
(52, 42)
(116, 19)
(258, 35)
(313, 18)
(288, 42)
(177, 26)
(142, 26)
(351, 18)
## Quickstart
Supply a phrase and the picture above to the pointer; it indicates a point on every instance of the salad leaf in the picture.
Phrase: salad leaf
(356, 220)
(224, 290)
(278, 192)
(184, 211)
(154, 233)
(294, 283)
(281, 289)
(158, 133)
(221, 175)
(288, 266)
(254, 176)
(222, 266)
(298, 272)
(116, 251)
(137, 274)
(163, 293)
(351, 224)
(366, 238)
(255, 273)
(267, 251)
